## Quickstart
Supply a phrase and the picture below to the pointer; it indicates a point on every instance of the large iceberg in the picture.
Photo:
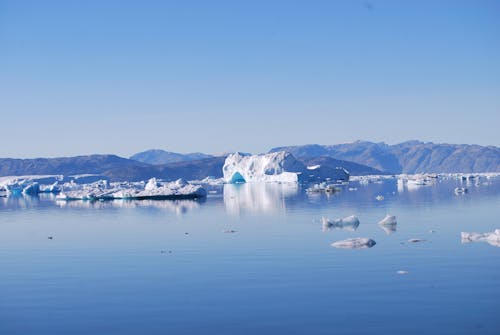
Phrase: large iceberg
(273, 167)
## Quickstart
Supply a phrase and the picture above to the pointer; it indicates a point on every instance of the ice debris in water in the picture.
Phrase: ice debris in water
(416, 240)
(355, 243)
(379, 197)
(348, 223)
(388, 220)
(388, 224)
(402, 272)
(492, 238)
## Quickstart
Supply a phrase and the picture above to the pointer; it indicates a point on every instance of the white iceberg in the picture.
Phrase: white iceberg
(153, 189)
(273, 167)
(492, 238)
(348, 223)
(355, 243)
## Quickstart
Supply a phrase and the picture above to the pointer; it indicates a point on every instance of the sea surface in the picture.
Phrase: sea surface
(253, 259)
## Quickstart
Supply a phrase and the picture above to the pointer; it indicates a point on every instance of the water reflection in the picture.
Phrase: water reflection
(174, 206)
(258, 197)
(48, 200)
(388, 228)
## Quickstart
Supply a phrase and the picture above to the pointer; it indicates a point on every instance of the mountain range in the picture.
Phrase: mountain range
(158, 157)
(359, 158)
(407, 157)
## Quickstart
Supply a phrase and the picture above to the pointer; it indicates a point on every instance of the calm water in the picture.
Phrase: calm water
(169, 267)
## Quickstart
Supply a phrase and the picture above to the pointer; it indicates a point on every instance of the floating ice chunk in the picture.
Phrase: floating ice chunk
(402, 272)
(355, 243)
(492, 238)
(460, 190)
(313, 167)
(416, 240)
(388, 220)
(388, 224)
(272, 167)
(153, 189)
(348, 223)
(323, 187)
(379, 197)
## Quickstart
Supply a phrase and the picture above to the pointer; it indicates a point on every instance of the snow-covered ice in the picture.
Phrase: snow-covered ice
(273, 167)
(355, 243)
(492, 238)
(153, 189)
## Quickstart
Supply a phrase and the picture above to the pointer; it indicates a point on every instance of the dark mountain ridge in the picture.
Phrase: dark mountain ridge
(407, 157)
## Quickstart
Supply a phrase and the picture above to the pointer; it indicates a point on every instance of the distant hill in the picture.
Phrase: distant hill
(113, 167)
(188, 170)
(354, 169)
(158, 157)
(359, 158)
(93, 164)
(407, 157)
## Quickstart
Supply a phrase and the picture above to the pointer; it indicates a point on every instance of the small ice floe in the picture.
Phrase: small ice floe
(432, 231)
(402, 272)
(416, 240)
(354, 243)
(348, 223)
(388, 224)
(492, 238)
(230, 231)
(323, 188)
(388, 220)
(460, 190)
(379, 197)
(352, 189)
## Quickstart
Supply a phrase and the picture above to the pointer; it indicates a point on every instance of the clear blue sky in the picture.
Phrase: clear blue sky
(79, 77)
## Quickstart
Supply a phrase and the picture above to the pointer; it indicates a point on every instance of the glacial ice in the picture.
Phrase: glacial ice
(153, 189)
(273, 167)
(348, 223)
(355, 243)
(492, 238)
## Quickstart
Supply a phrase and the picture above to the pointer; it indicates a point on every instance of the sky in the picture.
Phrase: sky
(103, 76)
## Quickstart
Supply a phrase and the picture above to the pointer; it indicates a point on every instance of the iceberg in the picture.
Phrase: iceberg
(492, 238)
(348, 223)
(355, 243)
(273, 167)
(152, 190)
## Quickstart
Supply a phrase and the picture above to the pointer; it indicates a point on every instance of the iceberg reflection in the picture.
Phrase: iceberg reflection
(257, 197)
(174, 206)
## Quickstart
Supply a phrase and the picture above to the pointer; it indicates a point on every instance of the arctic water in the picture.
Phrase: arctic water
(253, 259)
